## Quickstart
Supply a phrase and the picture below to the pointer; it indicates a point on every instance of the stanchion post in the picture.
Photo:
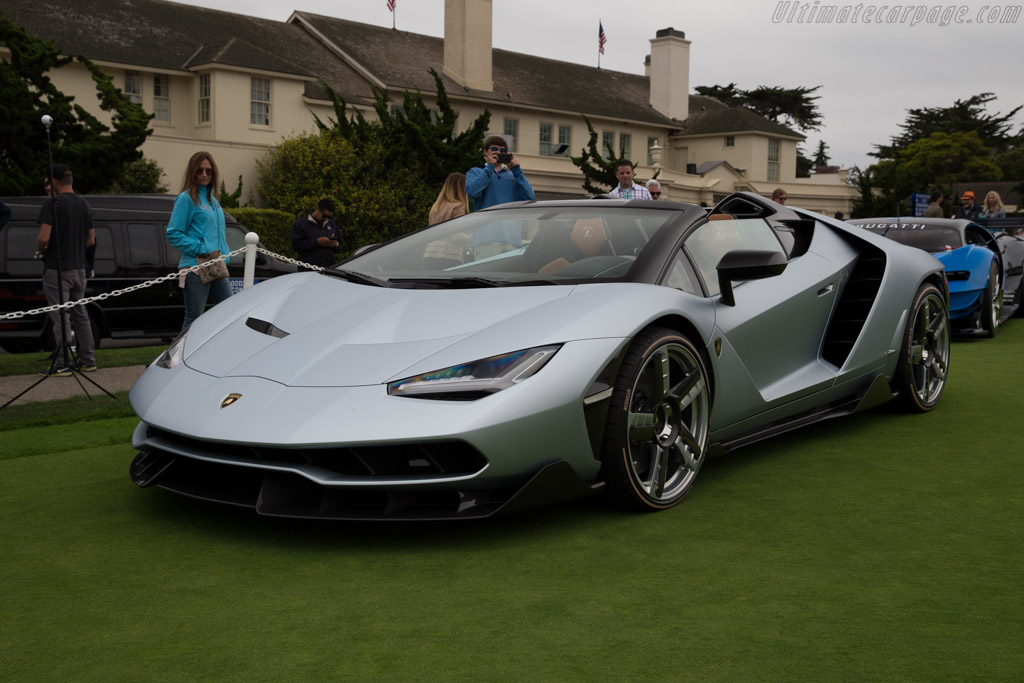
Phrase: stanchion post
(251, 239)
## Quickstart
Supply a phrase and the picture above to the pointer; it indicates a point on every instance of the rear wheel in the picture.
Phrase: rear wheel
(992, 303)
(659, 422)
(20, 345)
(924, 356)
(96, 327)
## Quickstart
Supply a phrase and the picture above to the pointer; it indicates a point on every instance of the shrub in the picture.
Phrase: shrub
(373, 204)
(383, 175)
(229, 200)
(274, 228)
(142, 176)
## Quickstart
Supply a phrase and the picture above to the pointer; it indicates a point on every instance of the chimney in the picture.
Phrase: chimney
(467, 43)
(670, 73)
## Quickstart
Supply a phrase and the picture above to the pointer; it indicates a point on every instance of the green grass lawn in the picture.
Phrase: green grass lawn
(879, 547)
(31, 363)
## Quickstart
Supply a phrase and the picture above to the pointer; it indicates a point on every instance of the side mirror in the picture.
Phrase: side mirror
(261, 259)
(747, 264)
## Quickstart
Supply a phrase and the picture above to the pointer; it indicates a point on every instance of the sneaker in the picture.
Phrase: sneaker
(87, 368)
(56, 372)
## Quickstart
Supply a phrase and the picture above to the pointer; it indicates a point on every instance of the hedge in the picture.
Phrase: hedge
(274, 228)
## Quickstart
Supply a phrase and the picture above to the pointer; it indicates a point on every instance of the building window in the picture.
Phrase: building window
(625, 145)
(397, 111)
(730, 140)
(133, 86)
(564, 138)
(651, 142)
(161, 98)
(259, 105)
(545, 139)
(608, 143)
(512, 133)
(773, 160)
(204, 98)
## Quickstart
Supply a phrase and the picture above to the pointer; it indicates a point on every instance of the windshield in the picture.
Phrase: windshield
(532, 245)
(932, 239)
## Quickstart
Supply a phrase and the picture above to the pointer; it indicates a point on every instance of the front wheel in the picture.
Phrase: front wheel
(924, 355)
(659, 422)
(992, 303)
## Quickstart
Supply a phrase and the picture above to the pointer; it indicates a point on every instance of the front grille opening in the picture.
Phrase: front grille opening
(287, 494)
(432, 459)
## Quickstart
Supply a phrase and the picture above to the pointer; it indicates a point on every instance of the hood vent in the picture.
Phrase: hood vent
(263, 327)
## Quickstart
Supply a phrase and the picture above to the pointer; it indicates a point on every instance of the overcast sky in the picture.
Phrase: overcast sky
(871, 72)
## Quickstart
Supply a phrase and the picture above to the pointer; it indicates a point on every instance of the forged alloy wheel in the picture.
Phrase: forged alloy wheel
(924, 358)
(658, 427)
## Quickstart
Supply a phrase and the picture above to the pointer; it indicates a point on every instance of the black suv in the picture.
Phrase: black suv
(131, 247)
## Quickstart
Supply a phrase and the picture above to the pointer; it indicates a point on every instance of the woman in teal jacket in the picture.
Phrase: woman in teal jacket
(197, 228)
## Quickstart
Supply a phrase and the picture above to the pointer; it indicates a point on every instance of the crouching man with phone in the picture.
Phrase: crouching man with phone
(500, 180)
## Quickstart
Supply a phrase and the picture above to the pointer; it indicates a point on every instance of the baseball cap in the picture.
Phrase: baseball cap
(59, 171)
(968, 195)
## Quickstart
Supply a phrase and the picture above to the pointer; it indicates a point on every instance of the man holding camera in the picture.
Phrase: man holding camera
(73, 235)
(501, 180)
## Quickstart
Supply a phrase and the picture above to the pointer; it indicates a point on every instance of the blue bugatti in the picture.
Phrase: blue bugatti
(983, 270)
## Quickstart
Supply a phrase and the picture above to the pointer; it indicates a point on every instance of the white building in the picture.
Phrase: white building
(236, 85)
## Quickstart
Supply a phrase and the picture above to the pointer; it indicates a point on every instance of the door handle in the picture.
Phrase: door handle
(827, 289)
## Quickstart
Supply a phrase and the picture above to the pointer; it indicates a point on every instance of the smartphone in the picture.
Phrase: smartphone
(504, 158)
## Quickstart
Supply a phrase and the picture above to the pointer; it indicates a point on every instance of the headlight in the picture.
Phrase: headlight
(174, 353)
(470, 381)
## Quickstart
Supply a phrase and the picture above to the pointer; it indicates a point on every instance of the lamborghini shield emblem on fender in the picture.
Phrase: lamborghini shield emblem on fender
(229, 400)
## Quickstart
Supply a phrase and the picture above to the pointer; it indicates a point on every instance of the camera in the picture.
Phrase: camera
(504, 158)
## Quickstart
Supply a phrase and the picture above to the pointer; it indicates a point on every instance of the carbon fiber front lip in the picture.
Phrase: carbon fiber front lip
(287, 494)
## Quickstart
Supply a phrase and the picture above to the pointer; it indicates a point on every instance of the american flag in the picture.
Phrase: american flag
(601, 38)
(391, 5)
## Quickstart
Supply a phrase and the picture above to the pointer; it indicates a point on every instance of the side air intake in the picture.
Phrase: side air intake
(853, 306)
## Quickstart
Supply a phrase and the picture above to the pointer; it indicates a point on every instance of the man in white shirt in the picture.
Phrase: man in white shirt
(626, 188)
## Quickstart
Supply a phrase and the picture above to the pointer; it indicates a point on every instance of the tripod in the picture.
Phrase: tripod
(64, 355)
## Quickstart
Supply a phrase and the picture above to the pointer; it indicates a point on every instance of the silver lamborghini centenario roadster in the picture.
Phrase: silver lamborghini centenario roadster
(535, 352)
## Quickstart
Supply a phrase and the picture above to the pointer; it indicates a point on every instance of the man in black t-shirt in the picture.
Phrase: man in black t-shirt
(69, 236)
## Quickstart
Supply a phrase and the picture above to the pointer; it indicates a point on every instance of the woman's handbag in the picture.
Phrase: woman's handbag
(219, 271)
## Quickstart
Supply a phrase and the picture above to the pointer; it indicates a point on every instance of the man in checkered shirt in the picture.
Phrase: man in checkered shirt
(626, 188)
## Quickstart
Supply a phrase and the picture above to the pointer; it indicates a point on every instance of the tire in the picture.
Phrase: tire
(924, 354)
(992, 303)
(96, 327)
(657, 433)
(21, 345)
(48, 343)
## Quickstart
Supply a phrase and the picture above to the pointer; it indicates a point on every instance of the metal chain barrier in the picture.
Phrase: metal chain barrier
(133, 288)
(164, 278)
(292, 261)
